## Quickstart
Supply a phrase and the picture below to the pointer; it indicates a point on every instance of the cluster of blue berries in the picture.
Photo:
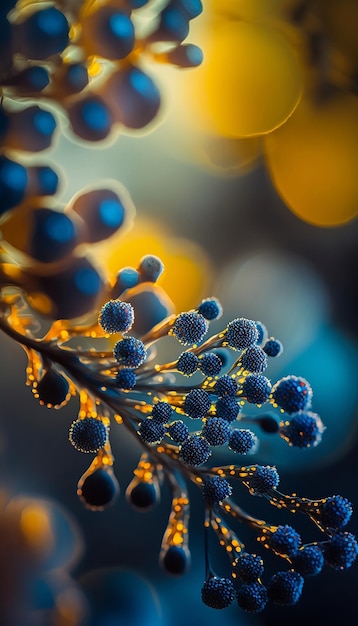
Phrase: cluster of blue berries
(71, 55)
(285, 586)
(180, 424)
(82, 61)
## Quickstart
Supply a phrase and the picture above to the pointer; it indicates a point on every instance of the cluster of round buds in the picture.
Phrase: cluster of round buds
(51, 238)
(83, 61)
(216, 402)
(71, 55)
(180, 422)
(284, 588)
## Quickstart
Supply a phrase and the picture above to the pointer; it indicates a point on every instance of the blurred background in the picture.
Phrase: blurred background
(227, 214)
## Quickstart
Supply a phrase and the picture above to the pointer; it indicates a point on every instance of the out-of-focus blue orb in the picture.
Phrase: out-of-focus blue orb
(280, 290)
(118, 596)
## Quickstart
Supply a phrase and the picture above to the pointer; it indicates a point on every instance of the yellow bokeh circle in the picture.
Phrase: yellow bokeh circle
(313, 160)
(250, 81)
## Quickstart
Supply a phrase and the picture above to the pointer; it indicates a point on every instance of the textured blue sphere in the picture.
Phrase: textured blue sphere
(218, 593)
(88, 434)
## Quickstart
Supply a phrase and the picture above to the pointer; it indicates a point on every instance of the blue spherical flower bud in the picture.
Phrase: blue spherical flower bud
(216, 489)
(178, 431)
(263, 479)
(52, 389)
(116, 317)
(44, 33)
(210, 364)
(308, 561)
(197, 403)
(273, 347)
(133, 96)
(175, 560)
(126, 278)
(285, 588)
(335, 513)
(73, 291)
(256, 388)
(192, 8)
(261, 333)
(150, 268)
(216, 431)
(90, 117)
(187, 363)
(195, 450)
(88, 434)
(31, 129)
(151, 430)
(130, 352)
(142, 495)
(174, 24)
(341, 551)
(210, 308)
(162, 412)
(226, 386)
(43, 181)
(126, 379)
(241, 333)
(218, 593)
(104, 211)
(13, 183)
(254, 360)
(249, 567)
(190, 328)
(303, 430)
(108, 32)
(243, 441)
(53, 235)
(285, 540)
(99, 489)
(292, 394)
(252, 597)
(228, 408)
(69, 79)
